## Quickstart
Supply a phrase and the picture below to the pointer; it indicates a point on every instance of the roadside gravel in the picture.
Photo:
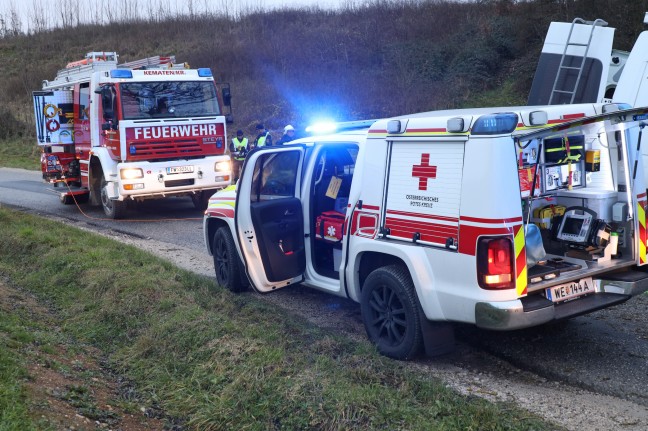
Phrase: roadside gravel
(468, 370)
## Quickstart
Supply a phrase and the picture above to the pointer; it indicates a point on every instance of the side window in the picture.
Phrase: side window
(84, 101)
(275, 176)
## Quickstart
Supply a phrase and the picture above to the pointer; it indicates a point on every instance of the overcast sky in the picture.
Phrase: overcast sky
(50, 10)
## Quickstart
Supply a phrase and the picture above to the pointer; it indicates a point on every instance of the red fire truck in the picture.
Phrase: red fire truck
(146, 129)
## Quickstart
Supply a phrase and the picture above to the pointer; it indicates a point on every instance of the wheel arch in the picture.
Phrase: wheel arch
(212, 224)
(371, 260)
(417, 263)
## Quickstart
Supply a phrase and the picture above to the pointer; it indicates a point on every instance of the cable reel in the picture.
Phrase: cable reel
(55, 110)
(52, 125)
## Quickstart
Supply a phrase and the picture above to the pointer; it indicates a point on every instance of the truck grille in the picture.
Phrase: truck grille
(164, 150)
(179, 183)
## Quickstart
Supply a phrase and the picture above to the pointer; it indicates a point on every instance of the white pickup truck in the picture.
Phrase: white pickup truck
(436, 218)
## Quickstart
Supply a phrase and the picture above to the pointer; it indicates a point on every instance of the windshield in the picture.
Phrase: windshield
(141, 100)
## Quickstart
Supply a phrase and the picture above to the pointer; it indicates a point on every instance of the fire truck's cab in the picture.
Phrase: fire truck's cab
(504, 218)
(141, 130)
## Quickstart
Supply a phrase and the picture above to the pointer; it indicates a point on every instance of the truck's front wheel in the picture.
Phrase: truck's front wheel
(390, 312)
(201, 199)
(229, 273)
(112, 208)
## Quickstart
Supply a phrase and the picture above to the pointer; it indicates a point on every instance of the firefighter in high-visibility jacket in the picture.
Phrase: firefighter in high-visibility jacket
(238, 151)
(263, 137)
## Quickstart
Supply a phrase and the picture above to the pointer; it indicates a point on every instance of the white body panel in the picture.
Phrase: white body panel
(633, 83)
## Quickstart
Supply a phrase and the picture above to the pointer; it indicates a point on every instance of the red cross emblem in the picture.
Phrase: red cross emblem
(424, 171)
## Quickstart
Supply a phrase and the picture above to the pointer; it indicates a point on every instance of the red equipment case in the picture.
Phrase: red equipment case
(329, 226)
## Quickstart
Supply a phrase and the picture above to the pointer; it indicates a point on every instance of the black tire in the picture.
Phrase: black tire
(82, 199)
(229, 271)
(391, 312)
(112, 208)
(66, 199)
(201, 199)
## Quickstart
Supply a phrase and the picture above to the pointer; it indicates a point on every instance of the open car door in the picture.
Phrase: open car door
(269, 218)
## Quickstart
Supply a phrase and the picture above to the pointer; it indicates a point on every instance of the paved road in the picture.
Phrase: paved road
(605, 352)
(174, 220)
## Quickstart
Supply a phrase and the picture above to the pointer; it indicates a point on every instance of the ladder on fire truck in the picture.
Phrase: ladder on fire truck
(564, 68)
(79, 70)
(156, 62)
(101, 61)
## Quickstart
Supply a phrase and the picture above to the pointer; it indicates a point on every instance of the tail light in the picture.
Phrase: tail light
(495, 263)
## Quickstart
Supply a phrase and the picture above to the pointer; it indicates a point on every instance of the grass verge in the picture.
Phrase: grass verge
(218, 361)
(15, 337)
(19, 153)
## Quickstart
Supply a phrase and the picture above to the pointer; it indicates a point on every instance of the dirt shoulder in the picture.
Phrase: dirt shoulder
(67, 385)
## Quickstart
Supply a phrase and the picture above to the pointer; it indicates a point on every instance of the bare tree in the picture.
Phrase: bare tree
(15, 23)
(129, 10)
(38, 18)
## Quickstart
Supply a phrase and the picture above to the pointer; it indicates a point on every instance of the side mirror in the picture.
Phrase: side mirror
(227, 96)
(108, 106)
(229, 118)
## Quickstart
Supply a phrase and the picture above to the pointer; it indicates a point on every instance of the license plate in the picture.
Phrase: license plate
(571, 290)
(180, 169)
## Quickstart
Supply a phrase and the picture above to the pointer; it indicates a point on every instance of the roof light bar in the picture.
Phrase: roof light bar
(495, 124)
(121, 73)
(322, 128)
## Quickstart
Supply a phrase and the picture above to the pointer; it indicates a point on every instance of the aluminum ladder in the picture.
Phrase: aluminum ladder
(563, 68)
(156, 62)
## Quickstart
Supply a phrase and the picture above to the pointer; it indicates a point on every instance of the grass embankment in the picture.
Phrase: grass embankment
(206, 357)
(19, 153)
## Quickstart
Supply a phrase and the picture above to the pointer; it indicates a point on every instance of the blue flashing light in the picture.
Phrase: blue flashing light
(205, 72)
(322, 128)
(641, 117)
(495, 124)
(121, 73)
(132, 150)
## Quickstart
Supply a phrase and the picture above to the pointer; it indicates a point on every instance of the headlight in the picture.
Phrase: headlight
(223, 166)
(131, 173)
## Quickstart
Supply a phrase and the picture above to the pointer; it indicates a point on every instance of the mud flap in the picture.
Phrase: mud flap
(438, 337)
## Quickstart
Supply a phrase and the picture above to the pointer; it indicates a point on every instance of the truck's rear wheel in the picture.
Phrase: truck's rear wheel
(112, 208)
(66, 199)
(390, 312)
(229, 272)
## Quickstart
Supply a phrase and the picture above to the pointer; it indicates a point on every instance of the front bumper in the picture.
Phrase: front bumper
(158, 182)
